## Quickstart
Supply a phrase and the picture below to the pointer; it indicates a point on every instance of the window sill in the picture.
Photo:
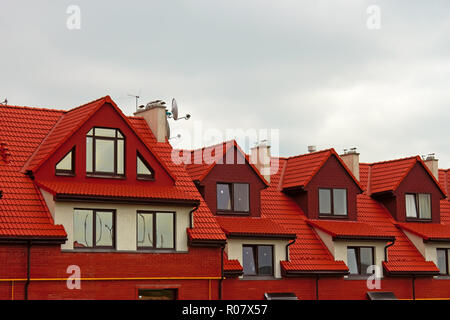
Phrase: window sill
(105, 176)
(418, 220)
(357, 277)
(333, 217)
(258, 278)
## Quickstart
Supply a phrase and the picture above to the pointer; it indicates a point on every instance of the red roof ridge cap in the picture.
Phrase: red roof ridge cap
(34, 108)
(307, 154)
(388, 161)
(106, 98)
(319, 166)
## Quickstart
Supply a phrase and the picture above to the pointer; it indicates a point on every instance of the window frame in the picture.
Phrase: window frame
(417, 205)
(62, 172)
(115, 173)
(446, 261)
(94, 229)
(147, 177)
(232, 210)
(332, 214)
(358, 259)
(255, 257)
(154, 247)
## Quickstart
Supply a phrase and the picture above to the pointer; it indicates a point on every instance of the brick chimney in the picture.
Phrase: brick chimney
(351, 159)
(155, 115)
(260, 157)
(432, 164)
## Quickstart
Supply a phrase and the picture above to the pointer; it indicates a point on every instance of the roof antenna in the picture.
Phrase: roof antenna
(136, 97)
(5, 102)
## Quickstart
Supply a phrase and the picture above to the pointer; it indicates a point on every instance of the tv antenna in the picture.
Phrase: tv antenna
(174, 113)
(136, 97)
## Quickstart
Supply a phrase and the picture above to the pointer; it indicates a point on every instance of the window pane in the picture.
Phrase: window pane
(241, 197)
(352, 263)
(442, 260)
(145, 230)
(164, 230)
(89, 154)
(265, 260)
(65, 163)
(91, 132)
(104, 155)
(366, 259)
(248, 258)
(82, 228)
(223, 197)
(324, 201)
(411, 211)
(104, 229)
(120, 156)
(100, 132)
(340, 201)
(142, 167)
(425, 206)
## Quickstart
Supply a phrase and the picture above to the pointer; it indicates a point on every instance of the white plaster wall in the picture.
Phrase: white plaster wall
(427, 249)
(234, 250)
(126, 216)
(48, 198)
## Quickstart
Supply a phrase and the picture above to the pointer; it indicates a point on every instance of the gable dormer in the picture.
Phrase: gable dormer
(96, 143)
(407, 188)
(322, 185)
(228, 182)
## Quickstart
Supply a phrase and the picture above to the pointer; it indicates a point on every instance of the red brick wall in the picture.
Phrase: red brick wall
(236, 172)
(49, 262)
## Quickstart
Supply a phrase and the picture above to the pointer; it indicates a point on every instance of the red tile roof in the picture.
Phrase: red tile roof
(231, 266)
(117, 190)
(32, 133)
(427, 231)
(301, 169)
(308, 254)
(248, 226)
(350, 229)
(202, 161)
(23, 213)
(387, 175)
(444, 180)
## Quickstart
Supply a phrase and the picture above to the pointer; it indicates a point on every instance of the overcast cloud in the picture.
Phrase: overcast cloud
(311, 69)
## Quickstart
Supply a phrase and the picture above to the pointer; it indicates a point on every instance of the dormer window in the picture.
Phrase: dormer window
(66, 166)
(418, 206)
(233, 198)
(143, 169)
(332, 202)
(105, 152)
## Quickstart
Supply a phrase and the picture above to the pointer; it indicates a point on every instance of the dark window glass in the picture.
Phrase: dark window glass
(241, 197)
(442, 260)
(223, 196)
(66, 164)
(265, 261)
(249, 264)
(340, 202)
(156, 230)
(93, 228)
(359, 259)
(257, 260)
(352, 262)
(325, 201)
(143, 169)
(105, 151)
(156, 294)
(418, 205)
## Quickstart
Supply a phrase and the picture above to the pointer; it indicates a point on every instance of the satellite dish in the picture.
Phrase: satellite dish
(174, 109)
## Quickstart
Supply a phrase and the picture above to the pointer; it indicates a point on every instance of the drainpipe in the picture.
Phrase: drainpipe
(28, 269)
(191, 216)
(385, 250)
(222, 248)
(287, 248)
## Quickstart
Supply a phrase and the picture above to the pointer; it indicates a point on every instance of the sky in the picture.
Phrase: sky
(324, 73)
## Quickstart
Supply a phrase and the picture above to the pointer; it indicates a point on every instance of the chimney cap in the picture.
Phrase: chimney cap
(353, 150)
(312, 149)
(429, 157)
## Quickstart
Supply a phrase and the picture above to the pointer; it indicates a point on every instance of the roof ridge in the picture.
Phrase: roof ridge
(107, 97)
(34, 108)
(388, 161)
(310, 153)
(210, 146)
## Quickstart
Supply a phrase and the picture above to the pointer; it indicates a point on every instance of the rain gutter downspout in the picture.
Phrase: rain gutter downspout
(27, 283)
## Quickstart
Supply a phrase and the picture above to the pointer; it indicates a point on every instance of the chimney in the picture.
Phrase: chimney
(312, 149)
(260, 157)
(432, 164)
(155, 115)
(351, 159)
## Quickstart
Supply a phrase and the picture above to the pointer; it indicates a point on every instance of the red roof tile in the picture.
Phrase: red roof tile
(232, 265)
(444, 180)
(248, 226)
(350, 229)
(427, 231)
(301, 169)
